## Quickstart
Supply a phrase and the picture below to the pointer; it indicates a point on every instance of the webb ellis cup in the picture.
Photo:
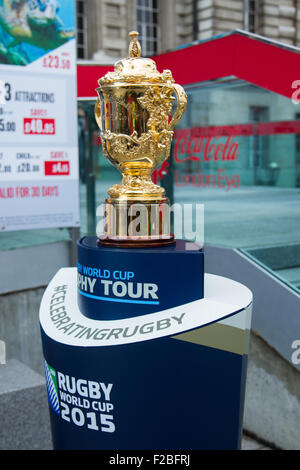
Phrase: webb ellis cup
(134, 113)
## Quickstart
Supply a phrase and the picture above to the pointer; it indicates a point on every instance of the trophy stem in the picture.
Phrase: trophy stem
(136, 184)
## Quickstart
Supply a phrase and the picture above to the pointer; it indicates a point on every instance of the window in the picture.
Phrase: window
(113, 32)
(147, 25)
(261, 144)
(81, 29)
(251, 15)
(113, 10)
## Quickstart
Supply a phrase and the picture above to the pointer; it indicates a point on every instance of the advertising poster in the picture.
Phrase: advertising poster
(38, 115)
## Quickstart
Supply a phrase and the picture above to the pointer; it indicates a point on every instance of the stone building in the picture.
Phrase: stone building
(103, 25)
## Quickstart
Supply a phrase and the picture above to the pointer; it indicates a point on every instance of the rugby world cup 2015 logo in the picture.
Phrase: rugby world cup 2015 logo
(52, 389)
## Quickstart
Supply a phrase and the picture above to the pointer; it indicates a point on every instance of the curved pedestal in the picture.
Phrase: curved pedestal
(172, 379)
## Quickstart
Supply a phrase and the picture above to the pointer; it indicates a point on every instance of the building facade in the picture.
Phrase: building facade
(103, 25)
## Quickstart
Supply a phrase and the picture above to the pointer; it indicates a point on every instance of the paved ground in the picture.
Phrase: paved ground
(246, 217)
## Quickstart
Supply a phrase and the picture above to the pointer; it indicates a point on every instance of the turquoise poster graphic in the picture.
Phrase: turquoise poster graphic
(29, 28)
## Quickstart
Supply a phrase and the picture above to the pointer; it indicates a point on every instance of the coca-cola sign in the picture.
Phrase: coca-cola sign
(205, 144)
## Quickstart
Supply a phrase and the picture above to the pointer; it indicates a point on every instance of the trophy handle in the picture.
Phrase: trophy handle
(181, 105)
(98, 114)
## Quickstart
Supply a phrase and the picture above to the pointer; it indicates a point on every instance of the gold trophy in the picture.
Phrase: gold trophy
(134, 113)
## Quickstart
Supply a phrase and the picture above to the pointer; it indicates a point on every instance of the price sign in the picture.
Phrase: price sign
(39, 126)
(38, 115)
(7, 126)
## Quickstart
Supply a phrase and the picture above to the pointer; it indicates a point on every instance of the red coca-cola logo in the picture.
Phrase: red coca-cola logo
(205, 144)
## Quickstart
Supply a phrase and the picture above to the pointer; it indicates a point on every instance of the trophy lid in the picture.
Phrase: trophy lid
(136, 69)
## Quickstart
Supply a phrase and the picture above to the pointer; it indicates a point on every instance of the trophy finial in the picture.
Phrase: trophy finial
(134, 46)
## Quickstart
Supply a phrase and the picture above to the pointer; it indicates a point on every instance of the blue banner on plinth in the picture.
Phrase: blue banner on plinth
(118, 283)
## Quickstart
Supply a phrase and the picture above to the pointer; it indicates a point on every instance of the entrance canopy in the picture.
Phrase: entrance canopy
(255, 59)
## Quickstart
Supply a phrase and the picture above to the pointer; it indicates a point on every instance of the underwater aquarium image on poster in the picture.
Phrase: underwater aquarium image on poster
(30, 28)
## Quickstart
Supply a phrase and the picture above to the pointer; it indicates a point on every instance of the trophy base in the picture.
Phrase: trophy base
(138, 242)
(134, 223)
